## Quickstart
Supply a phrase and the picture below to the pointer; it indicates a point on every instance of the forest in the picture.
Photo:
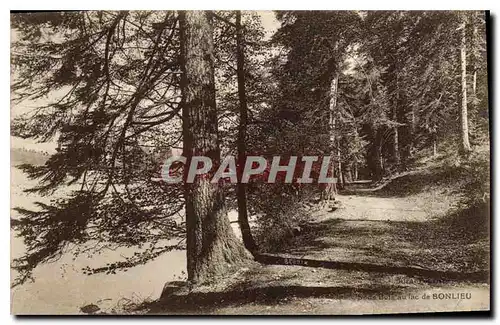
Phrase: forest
(398, 99)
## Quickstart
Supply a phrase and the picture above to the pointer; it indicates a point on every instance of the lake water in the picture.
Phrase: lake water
(62, 288)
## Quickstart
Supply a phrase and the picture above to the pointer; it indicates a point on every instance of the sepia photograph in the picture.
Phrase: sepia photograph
(288, 162)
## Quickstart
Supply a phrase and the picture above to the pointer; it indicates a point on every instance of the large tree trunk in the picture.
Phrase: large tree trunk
(212, 247)
(465, 145)
(241, 195)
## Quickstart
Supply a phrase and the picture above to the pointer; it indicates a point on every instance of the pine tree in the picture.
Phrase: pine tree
(113, 83)
(116, 80)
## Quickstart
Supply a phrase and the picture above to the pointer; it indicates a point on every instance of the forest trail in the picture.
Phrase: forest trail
(369, 231)
(424, 230)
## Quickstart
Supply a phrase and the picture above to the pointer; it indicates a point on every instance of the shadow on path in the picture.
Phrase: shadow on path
(479, 276)
(454, 248)
(206, 302)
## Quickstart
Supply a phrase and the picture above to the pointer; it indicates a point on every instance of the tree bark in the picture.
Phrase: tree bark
(241, 195)
(465, 145)
(212, 247)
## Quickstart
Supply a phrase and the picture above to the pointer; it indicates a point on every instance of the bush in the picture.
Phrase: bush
(281, 210)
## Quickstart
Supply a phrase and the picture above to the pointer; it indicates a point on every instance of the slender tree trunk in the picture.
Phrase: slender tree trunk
(434, 140)
(404, 136)
(339, 166)
(375, 154)
(242, 134)
(413, 129)
(395, 139)
(474, 83)
(212, 247)
(465, 145)
(394, 116)
(354, 164)
(348, 178)
(329, 191)
(474, 58)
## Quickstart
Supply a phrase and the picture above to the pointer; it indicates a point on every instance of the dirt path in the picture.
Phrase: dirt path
(418, 231)
(422, 230)
(356, 207)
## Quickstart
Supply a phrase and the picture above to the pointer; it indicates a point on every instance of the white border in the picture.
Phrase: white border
(217, 4)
